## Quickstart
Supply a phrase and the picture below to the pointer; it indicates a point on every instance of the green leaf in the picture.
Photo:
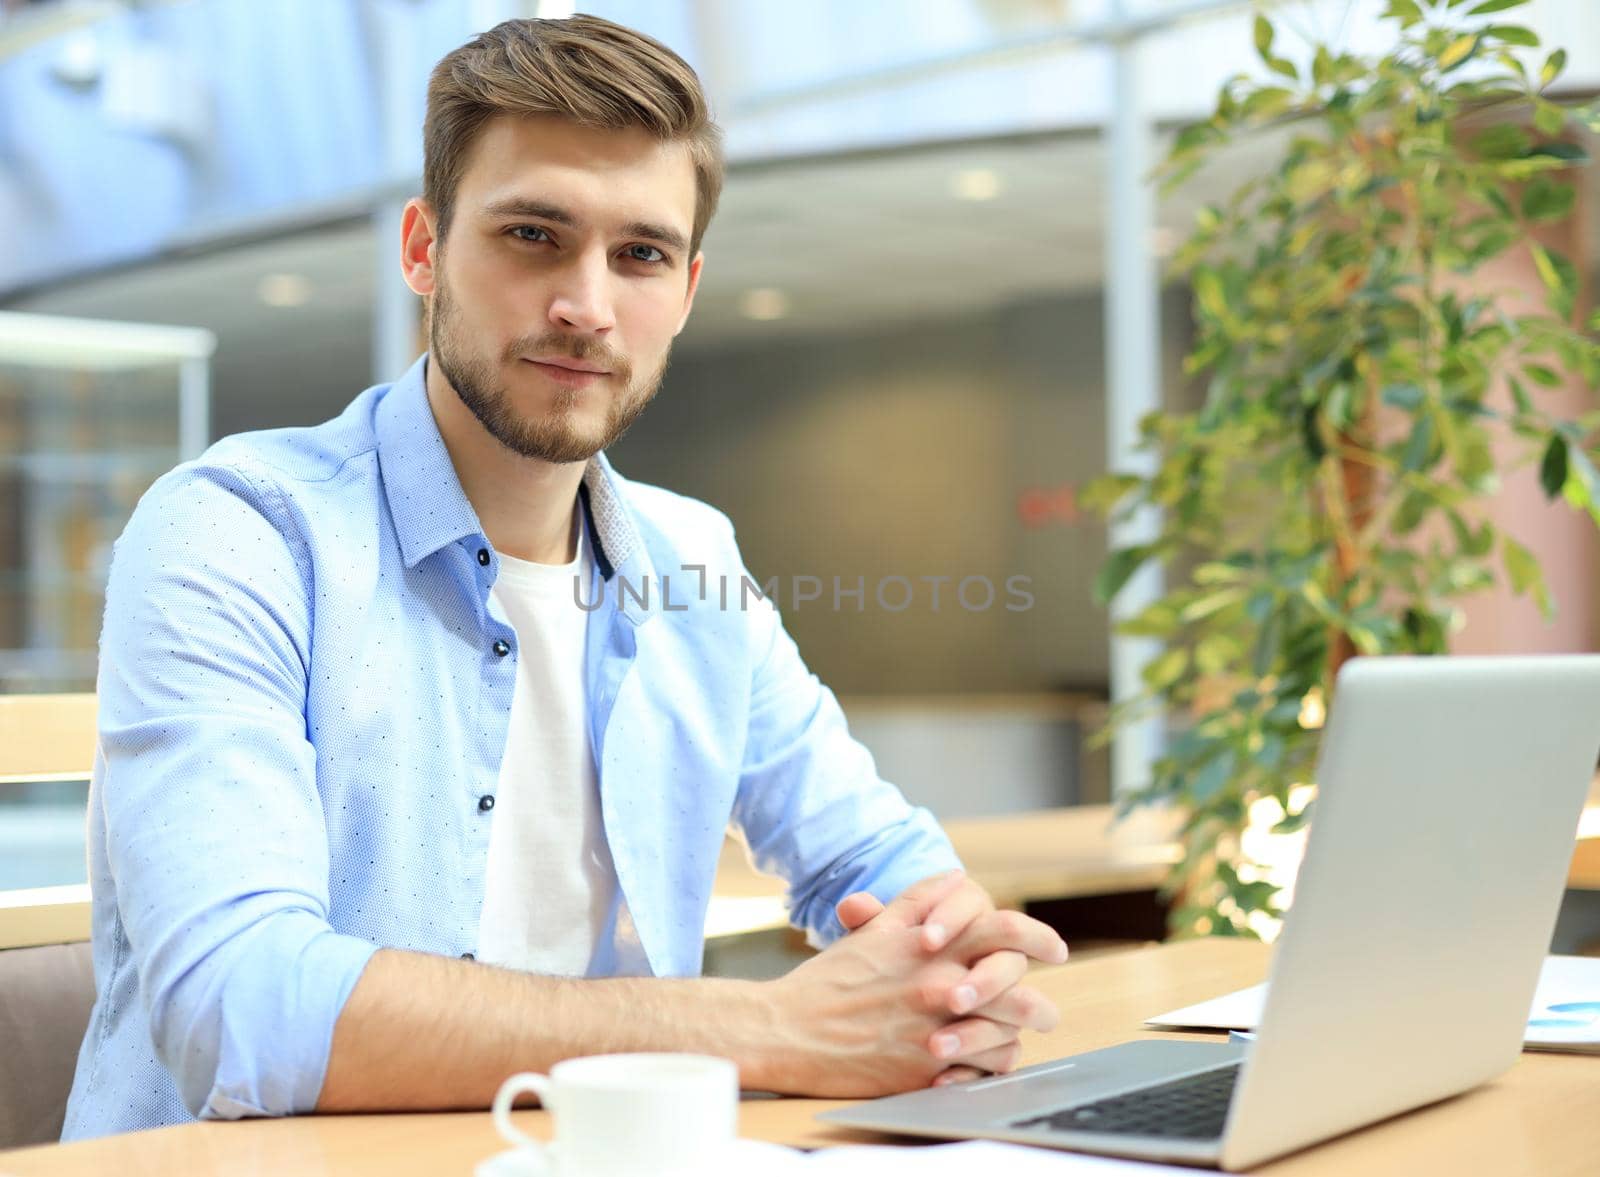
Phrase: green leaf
(1215, 654)
(1194, 136)
(1553, 466)
(1162, 672)
(1311, 434)
(1157, 620)
(1282, 65)
(1318, 600)
(1583, 483)
(1264, 34)
(1294, 822)
(1408, 516)
(1105, 492)
(1322, 66)
(1403, 396)
(1548, 200)
(1420, 446)
(1560, 278)
(1213, 778)
(1458, 51)
(1553, 66)
(1115, 572)
(1405, 11)
(1267, 102)
(1497, 201)
(1492, 243)
(1489, 6)
(1566, 152)
(1513, 35)
(1540, 374)
(1209, 294)
(1267, 645)
(1549, 119)
(1502, 141)
(1220, 572)
(1477, 543)
(1203, 607)
(1525, 574)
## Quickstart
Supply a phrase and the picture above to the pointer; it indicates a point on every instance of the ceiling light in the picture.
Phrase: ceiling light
(975, 184)
(284, 290)
(764, 303)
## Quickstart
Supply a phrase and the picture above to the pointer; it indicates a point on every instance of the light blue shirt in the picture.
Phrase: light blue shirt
(305, 686)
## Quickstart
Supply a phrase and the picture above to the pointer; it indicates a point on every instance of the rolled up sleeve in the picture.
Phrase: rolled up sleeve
(810, 804)
(215, 835)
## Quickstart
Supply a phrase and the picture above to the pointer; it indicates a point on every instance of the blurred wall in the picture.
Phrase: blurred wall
(195, 120)
(913, 452)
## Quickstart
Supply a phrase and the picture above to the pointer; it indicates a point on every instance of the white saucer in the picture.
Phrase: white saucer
(743, 1157)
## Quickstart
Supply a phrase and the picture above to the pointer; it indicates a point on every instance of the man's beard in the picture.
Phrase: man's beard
(554, 437)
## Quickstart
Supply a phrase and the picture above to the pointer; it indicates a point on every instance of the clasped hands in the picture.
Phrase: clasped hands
(977, 957)
(924, 991)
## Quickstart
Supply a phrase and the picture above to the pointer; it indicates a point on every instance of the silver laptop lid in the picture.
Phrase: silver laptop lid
(1449, 796)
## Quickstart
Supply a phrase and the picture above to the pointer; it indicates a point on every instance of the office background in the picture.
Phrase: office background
(898, 364)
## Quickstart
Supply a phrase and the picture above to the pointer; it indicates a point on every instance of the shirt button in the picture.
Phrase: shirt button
(483, 556)
(486, 803)
(468, 956)
(501, 648)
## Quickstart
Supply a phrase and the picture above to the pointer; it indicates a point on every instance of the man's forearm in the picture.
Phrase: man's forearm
(423, 1031)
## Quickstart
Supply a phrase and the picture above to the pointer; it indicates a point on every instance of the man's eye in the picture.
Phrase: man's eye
(518, 231)
(645, 253)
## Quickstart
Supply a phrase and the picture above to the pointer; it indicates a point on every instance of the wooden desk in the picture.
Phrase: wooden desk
(1584, 873)
(1041, 855)
(43, 736)
(1536, 1120)
(1017, 857)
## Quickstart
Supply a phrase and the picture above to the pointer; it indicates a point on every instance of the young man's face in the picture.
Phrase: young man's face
(562, 280)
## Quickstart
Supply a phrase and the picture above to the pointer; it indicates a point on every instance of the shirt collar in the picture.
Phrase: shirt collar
(430, 509)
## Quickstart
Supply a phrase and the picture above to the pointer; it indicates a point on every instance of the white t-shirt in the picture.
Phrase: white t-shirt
(550, 879)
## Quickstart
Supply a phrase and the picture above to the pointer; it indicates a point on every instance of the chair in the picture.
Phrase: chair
(46, 967)
(45, 997)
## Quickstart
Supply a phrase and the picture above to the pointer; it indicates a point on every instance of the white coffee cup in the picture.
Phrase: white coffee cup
(628, 1115)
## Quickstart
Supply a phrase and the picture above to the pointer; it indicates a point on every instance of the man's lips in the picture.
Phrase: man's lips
(569, 364)
(568, 372)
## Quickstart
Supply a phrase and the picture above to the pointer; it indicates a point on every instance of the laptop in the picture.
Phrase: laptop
(1449, 800)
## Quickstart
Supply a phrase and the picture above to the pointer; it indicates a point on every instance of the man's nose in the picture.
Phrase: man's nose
(581, 300)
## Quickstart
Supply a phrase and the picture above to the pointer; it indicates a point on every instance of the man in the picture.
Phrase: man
(357, 728)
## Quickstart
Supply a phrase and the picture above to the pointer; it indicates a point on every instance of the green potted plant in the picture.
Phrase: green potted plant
(1327, 497)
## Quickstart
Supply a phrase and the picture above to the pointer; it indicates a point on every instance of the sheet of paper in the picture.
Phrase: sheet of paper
(1239, 1010)
(1566, 1008)
(970, 1157)
(1565, 1014)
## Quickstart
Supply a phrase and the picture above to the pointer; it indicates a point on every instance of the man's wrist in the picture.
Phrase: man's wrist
(747, 1023)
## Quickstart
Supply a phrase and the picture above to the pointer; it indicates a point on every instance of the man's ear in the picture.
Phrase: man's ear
(694, 284)
(418, 238)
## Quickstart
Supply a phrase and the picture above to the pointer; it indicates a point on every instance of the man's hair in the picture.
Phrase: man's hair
(583, 68)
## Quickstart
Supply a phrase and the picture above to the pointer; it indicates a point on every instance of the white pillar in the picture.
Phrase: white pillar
(398, 66)
(194, 406)
(1133, 381)
(395, 310)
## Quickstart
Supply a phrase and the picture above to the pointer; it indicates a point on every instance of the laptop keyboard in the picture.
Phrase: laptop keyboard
(1192, 1108)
